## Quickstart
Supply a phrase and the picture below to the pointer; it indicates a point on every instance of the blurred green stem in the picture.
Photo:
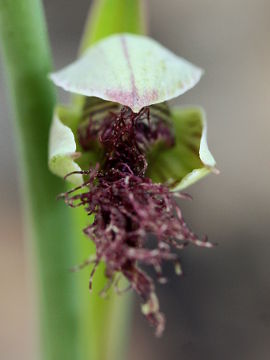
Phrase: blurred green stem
(27, 61)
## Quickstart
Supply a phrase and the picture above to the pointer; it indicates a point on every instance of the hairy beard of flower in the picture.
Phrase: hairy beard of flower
(128, 206)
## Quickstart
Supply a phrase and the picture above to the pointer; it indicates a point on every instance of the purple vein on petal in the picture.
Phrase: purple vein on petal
(134, 92)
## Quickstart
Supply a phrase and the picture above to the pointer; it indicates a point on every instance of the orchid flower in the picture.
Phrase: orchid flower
(129, 154)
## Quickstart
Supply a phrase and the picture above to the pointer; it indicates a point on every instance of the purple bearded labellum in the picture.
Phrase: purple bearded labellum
(128, 206)
(129, 158)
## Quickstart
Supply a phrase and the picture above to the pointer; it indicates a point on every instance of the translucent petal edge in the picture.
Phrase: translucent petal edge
(207, 159)
(62, 150)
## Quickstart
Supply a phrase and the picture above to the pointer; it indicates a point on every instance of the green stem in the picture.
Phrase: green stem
(27, 62)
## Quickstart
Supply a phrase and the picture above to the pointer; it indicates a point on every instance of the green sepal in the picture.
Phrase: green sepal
(190, 159)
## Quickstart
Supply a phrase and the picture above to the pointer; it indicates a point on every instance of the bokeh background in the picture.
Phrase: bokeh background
(220, 309)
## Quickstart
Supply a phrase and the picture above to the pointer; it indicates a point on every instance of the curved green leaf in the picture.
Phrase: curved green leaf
(132, 70)
(190, 159)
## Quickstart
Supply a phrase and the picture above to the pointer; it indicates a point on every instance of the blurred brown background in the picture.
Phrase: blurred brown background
(220, 309)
